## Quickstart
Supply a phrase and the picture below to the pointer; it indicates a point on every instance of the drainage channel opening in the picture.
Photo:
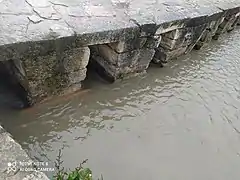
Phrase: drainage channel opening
(12, 94)
(96, 73)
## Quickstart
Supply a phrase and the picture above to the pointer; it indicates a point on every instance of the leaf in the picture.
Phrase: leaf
(73, 176)
(85, 174)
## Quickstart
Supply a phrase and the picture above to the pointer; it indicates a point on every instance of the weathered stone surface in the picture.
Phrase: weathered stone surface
(163, 55)
(153, 42)
(48, 39)
(33, 20)
(206, 37)
(129, 45)
(196, 34)
(176, 34)
(170, 44)
(228, 23)
(11, 151)
(52, 74)
(119, 65)
(122, 59)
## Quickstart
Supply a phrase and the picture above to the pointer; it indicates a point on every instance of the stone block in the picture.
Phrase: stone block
(170, 26)
(196, 34)
(129, 45)
(76, 76)
(118, 59)
(227, 24)
(75, 59)
(53, 74)
(171, 44)
(214, 25)
(234, 24)
(197, 21)
(153, 42)
(116, 65)
(163, 55)
(176, 34)
(206, 37)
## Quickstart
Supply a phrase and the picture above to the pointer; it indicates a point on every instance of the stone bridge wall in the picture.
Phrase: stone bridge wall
(58, 66)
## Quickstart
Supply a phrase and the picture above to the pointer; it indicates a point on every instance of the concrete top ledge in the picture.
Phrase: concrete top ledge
(38, 20)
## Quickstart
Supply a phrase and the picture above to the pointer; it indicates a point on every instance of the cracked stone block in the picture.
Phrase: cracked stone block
(119, 65)
(164, 55)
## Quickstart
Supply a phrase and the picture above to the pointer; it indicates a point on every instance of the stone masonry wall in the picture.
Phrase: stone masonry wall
(51, 44)
(162, 43)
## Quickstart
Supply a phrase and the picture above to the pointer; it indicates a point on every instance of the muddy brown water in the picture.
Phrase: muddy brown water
(181, 122)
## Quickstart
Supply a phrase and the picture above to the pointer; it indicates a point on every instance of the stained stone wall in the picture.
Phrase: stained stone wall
(53, 74)
(158, 43)
(183, 39)
(50, 43)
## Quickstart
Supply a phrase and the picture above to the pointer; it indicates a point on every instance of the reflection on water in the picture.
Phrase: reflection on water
(180, 122)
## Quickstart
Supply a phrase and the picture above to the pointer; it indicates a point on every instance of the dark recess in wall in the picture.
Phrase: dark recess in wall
(12, 94)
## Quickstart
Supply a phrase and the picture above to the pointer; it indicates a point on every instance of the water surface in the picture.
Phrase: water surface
(181, 122)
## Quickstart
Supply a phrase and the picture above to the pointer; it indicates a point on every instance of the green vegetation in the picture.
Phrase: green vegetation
(79, 173)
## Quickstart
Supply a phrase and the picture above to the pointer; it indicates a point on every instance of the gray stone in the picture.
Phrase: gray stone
(75, 59)
(175, 34)
(171, 44)
(153, 42)
(196, 34)
(227, 24)
(164, 55)
(47, 40)
(52, 74)
(12, 152)
(131, 44)
(76, 77)
(119, 65)
(206, 37)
